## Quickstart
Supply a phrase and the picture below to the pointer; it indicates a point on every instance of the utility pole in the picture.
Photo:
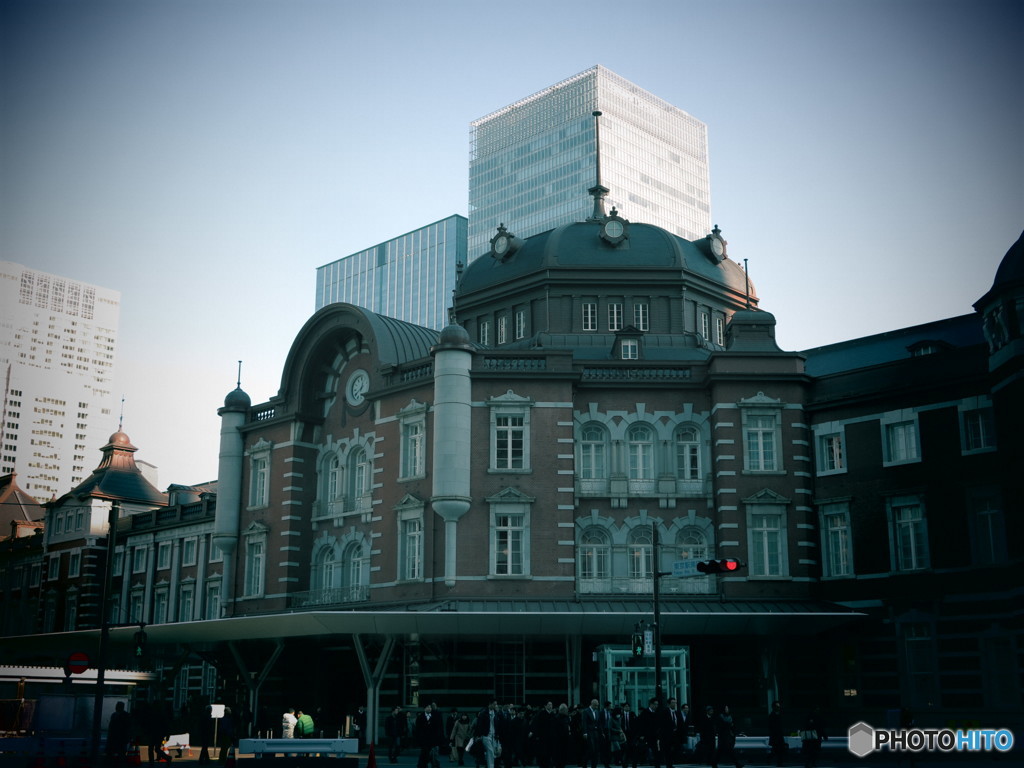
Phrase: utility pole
(657, 574)
(101, 655)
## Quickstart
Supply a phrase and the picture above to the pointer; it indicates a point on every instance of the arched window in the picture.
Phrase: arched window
(355, 571)
(692, 544)
(332, 478)
(641, 452)
(325, 569)
(359, 469)
(687, 454)
(594, 554)
(641, 554)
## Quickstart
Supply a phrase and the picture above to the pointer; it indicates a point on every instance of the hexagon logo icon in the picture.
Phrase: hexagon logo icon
(861, 738)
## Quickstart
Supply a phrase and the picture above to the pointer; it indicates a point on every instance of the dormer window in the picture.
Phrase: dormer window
(630, 349)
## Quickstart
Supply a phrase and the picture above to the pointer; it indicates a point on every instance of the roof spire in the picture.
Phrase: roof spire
(239, 374)
(598, 191)
(120, 420)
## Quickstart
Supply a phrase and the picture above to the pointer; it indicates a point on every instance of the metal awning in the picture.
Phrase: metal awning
(487, 619)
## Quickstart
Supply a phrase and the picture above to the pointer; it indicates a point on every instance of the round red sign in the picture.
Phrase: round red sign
(78, 662)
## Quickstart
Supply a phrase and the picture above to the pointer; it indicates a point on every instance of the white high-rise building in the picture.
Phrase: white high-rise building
(57, 343)
(532, 162)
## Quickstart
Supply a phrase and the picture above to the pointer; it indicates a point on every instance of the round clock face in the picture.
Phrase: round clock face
(613, 228)
(358, 383)
(501, 245)
(716, 247)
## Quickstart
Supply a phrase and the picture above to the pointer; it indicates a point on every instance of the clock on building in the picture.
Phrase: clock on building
(355, 390)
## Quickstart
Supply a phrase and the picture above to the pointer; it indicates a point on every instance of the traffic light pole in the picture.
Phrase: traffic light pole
(101, 655)
(658, 688)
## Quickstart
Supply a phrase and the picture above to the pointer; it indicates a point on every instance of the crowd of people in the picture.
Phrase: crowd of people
(594, 736)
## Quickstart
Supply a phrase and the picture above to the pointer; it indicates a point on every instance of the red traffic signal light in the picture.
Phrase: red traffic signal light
(719, 566)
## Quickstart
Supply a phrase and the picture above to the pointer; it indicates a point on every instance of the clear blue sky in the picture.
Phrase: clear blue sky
(204, 157)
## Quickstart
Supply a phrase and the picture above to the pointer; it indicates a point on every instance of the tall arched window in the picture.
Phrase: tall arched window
(640, 443)
(594, 553)
(359, 470)
(325, 569)
(641, 554)
(593, 466)
(355, 571)
(332, 480)
(687, 454)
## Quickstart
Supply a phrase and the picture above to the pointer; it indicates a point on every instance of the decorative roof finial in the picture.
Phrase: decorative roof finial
(120, 420)
(598, 191)
(239, 374)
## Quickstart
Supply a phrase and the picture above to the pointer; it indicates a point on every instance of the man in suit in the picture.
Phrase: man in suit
(630, 731)
(590, 719)
(648, 741)
(429, 733)
(670, 725)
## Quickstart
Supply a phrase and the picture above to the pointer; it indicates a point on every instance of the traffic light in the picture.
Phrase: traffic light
(719, 566)
(638, 645)
(141, 652)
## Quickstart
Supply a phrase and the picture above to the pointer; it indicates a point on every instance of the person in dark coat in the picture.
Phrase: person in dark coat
(649, 726)
(630, 735)
(707, 747)
(811, 736)
(726, 727)
(118, 732)
(670, 726)
(396, 728)
(777, 734)
(542, 732)
(428, 733)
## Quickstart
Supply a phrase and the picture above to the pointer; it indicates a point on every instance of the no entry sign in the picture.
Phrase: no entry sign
(78, 662)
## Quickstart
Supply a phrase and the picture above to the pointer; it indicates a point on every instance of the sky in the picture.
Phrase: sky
(204, 157)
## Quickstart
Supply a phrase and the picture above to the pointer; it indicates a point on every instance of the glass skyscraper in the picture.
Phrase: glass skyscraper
(532, 162)
(410, 277)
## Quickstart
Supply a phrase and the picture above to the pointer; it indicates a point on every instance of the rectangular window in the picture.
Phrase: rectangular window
(830, 453)
(160, 603)
(259, 481)
(163, 555)
(135, 608)
(630, 349)
(641, 317)
(589, 316)
(837, 540)
(978, 430)
(502, 329)
(901, 442)
(34, 574)
(139, 560)
(705, 325)
(720, 331)
(410, 562)
(510, 442)
(186, 602)
(413, 463)
(485, 332)
(75, 564)
(520, 323)
(910, 533)
(614, 317)
(189, 548)
(119, 562)
(760, 443)
(212, 602)
(254, 552)
(508, 544)
(766, 544)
